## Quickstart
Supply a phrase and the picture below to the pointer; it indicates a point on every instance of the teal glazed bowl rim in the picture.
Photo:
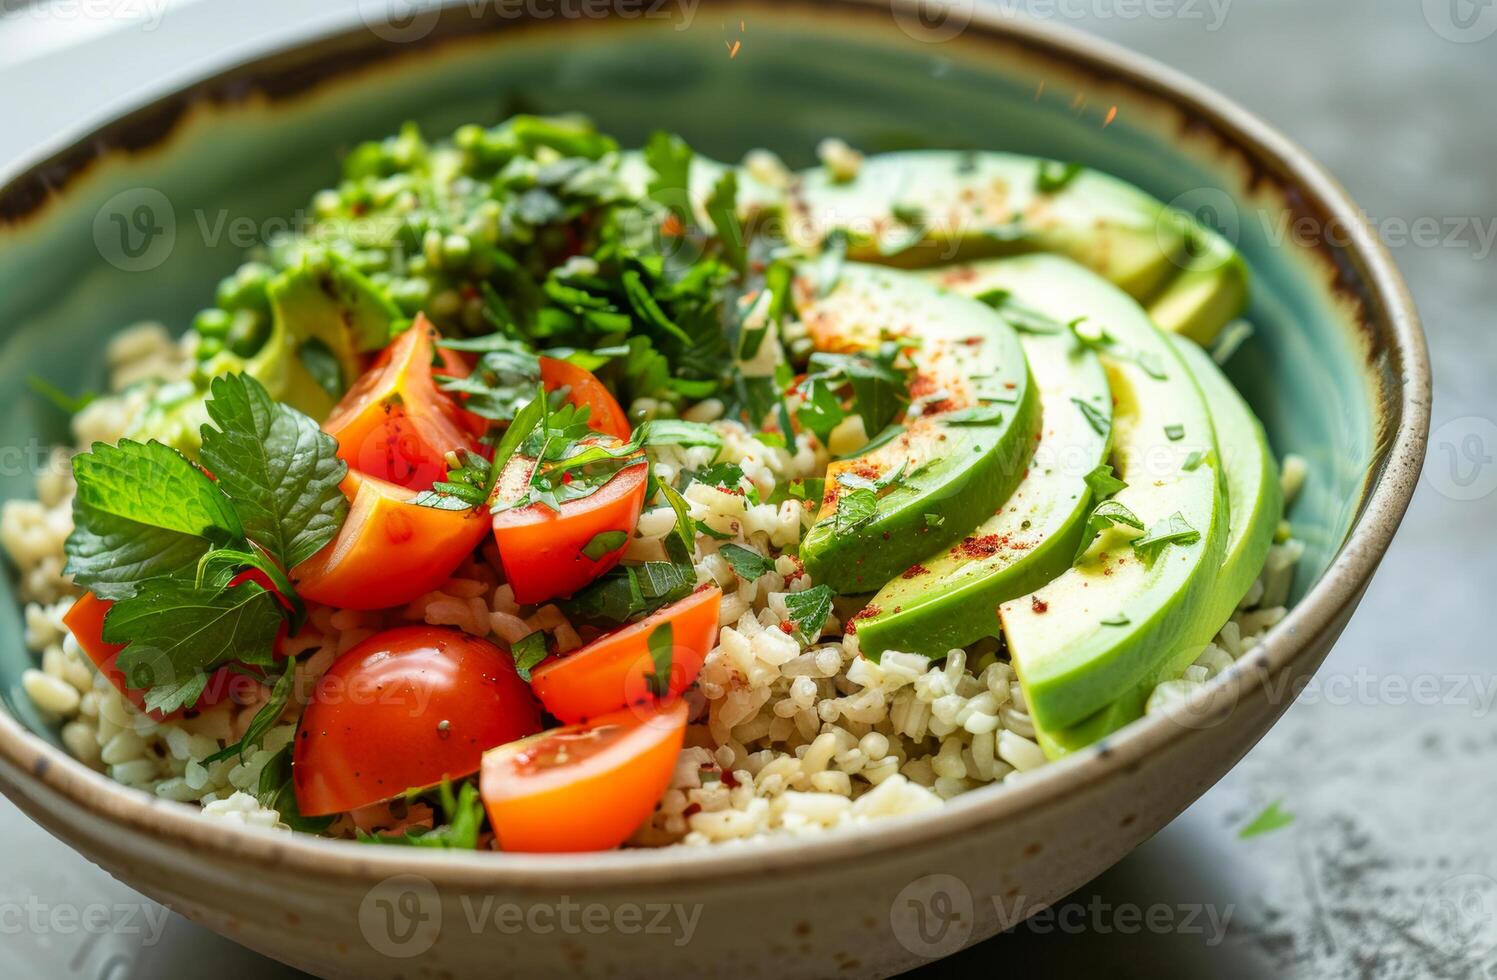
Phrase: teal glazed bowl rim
(1357, 265)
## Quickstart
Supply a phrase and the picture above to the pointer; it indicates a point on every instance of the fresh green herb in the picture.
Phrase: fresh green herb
(65, 403)
(820, 409)
(856, 506)
(503, 380)
(1053, 176)
(471, 482)
(670, 158)
(1151, 365)
(322, 364)
(604, 543)
(1174, 432)
(1172, 530)
(886, 436)
(773, 440)
(750, 565)
(1109, 513)
(462, 817)
(722, 209)
(631, 592)
(528, 652)
(681, 543)
(934, 520)
(1024, 319)
(877, 389)
(662, 646)
(974, 415)
(808, 611)
(1273, 817)
(1116, 620)
(276, 791)
(265, 718)
(1095, 417)
(909, 214)
(829, 265)
(1195, 459)
(1102, 483)
(676, 432)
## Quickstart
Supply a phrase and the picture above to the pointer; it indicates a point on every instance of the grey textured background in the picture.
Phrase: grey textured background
(1388, 763)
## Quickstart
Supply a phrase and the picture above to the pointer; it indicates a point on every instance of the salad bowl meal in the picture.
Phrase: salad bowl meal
(796, 510)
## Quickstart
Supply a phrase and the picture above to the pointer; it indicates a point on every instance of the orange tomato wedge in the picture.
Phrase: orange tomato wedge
(605, 415)
(583, 787)
(390, 550)
(611, 672)
(543, 551)
(394, 423)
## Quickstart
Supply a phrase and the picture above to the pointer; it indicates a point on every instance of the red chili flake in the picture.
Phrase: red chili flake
(672, 226)
(787, 628)
(1037, 604)
(914, 571)
(867, 612)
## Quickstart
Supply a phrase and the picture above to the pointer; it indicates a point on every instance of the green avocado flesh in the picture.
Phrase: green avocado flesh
(1207, 294)
(1102, 627)
(929, 207)
(1256, 504)
(951, 599)
(948, 472)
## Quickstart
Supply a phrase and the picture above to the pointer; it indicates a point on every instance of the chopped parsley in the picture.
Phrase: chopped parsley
(1172, 530)
(662, 646)
(1095, 417)
(749, 565)
(1053, 176)
(1102, 483)
(528, 652)
(808, 612)
(1109, 513)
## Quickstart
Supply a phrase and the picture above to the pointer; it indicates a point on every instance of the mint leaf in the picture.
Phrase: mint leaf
(1109, 513)
(528, 652)
(1102, 483)
(808, 611)
(280, 470)
(1272, 818)
(749, 565)
(662, 647)
(605, 543)
(142, 510)
(177, 632)
(855, 507)
(631, 592)
(1173, 530)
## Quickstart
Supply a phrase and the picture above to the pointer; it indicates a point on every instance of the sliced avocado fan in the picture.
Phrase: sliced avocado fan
(921, 208)
(951, 598)
(1141, 590)
(965, 440)
(1256, 505)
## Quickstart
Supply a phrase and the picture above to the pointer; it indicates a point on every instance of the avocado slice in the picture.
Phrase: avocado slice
(927, 207)
(966, 438)
(1256, 504)
(951, 599)
(1101, 627)
(1208, 293)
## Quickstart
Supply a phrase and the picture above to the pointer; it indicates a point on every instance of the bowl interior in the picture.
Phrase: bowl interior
(239, 168)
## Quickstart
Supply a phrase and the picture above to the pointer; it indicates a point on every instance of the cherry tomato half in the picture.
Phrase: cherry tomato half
(604, 415)
(403, 710)
(389, 551)
(584, 787)
(543, 551)
(610, 672)
(85, 620)
(394, 423)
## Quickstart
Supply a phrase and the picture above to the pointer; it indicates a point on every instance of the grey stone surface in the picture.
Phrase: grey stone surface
(1388, 763)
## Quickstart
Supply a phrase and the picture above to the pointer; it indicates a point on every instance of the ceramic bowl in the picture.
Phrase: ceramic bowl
(1336, 369)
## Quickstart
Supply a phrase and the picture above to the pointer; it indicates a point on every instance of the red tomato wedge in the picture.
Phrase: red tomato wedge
(85, 620)
(543, 551)
(584, 787)
(403, 710)
(610, 672)
(604, 416)
(389, 550)
(395, 424)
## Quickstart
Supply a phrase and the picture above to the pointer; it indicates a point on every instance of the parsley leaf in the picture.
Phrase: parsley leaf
(1272, 818)
(749, 565)
(505, 376)
(1095, 417)
(681, 543)
(631, 592)
(462, 815)
(808, 611)
(275, 790)
(856, 506)
(670, 157)
(264, 719)
(1025, 319)
(662, 647)
(1172, 530)
(1053, 176)
(605, 543)
(1107, 514)
(279, 469)
(528, 653)
(974, 415)
(722, 208)
(1102, 483)
(142, 510)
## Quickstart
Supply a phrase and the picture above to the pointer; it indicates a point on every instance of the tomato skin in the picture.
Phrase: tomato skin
(394, 423)
(389, 550)
(541, 550)
(609, 673)
(85, 620)
(605, 416)
(596, 800)
(374, 727)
